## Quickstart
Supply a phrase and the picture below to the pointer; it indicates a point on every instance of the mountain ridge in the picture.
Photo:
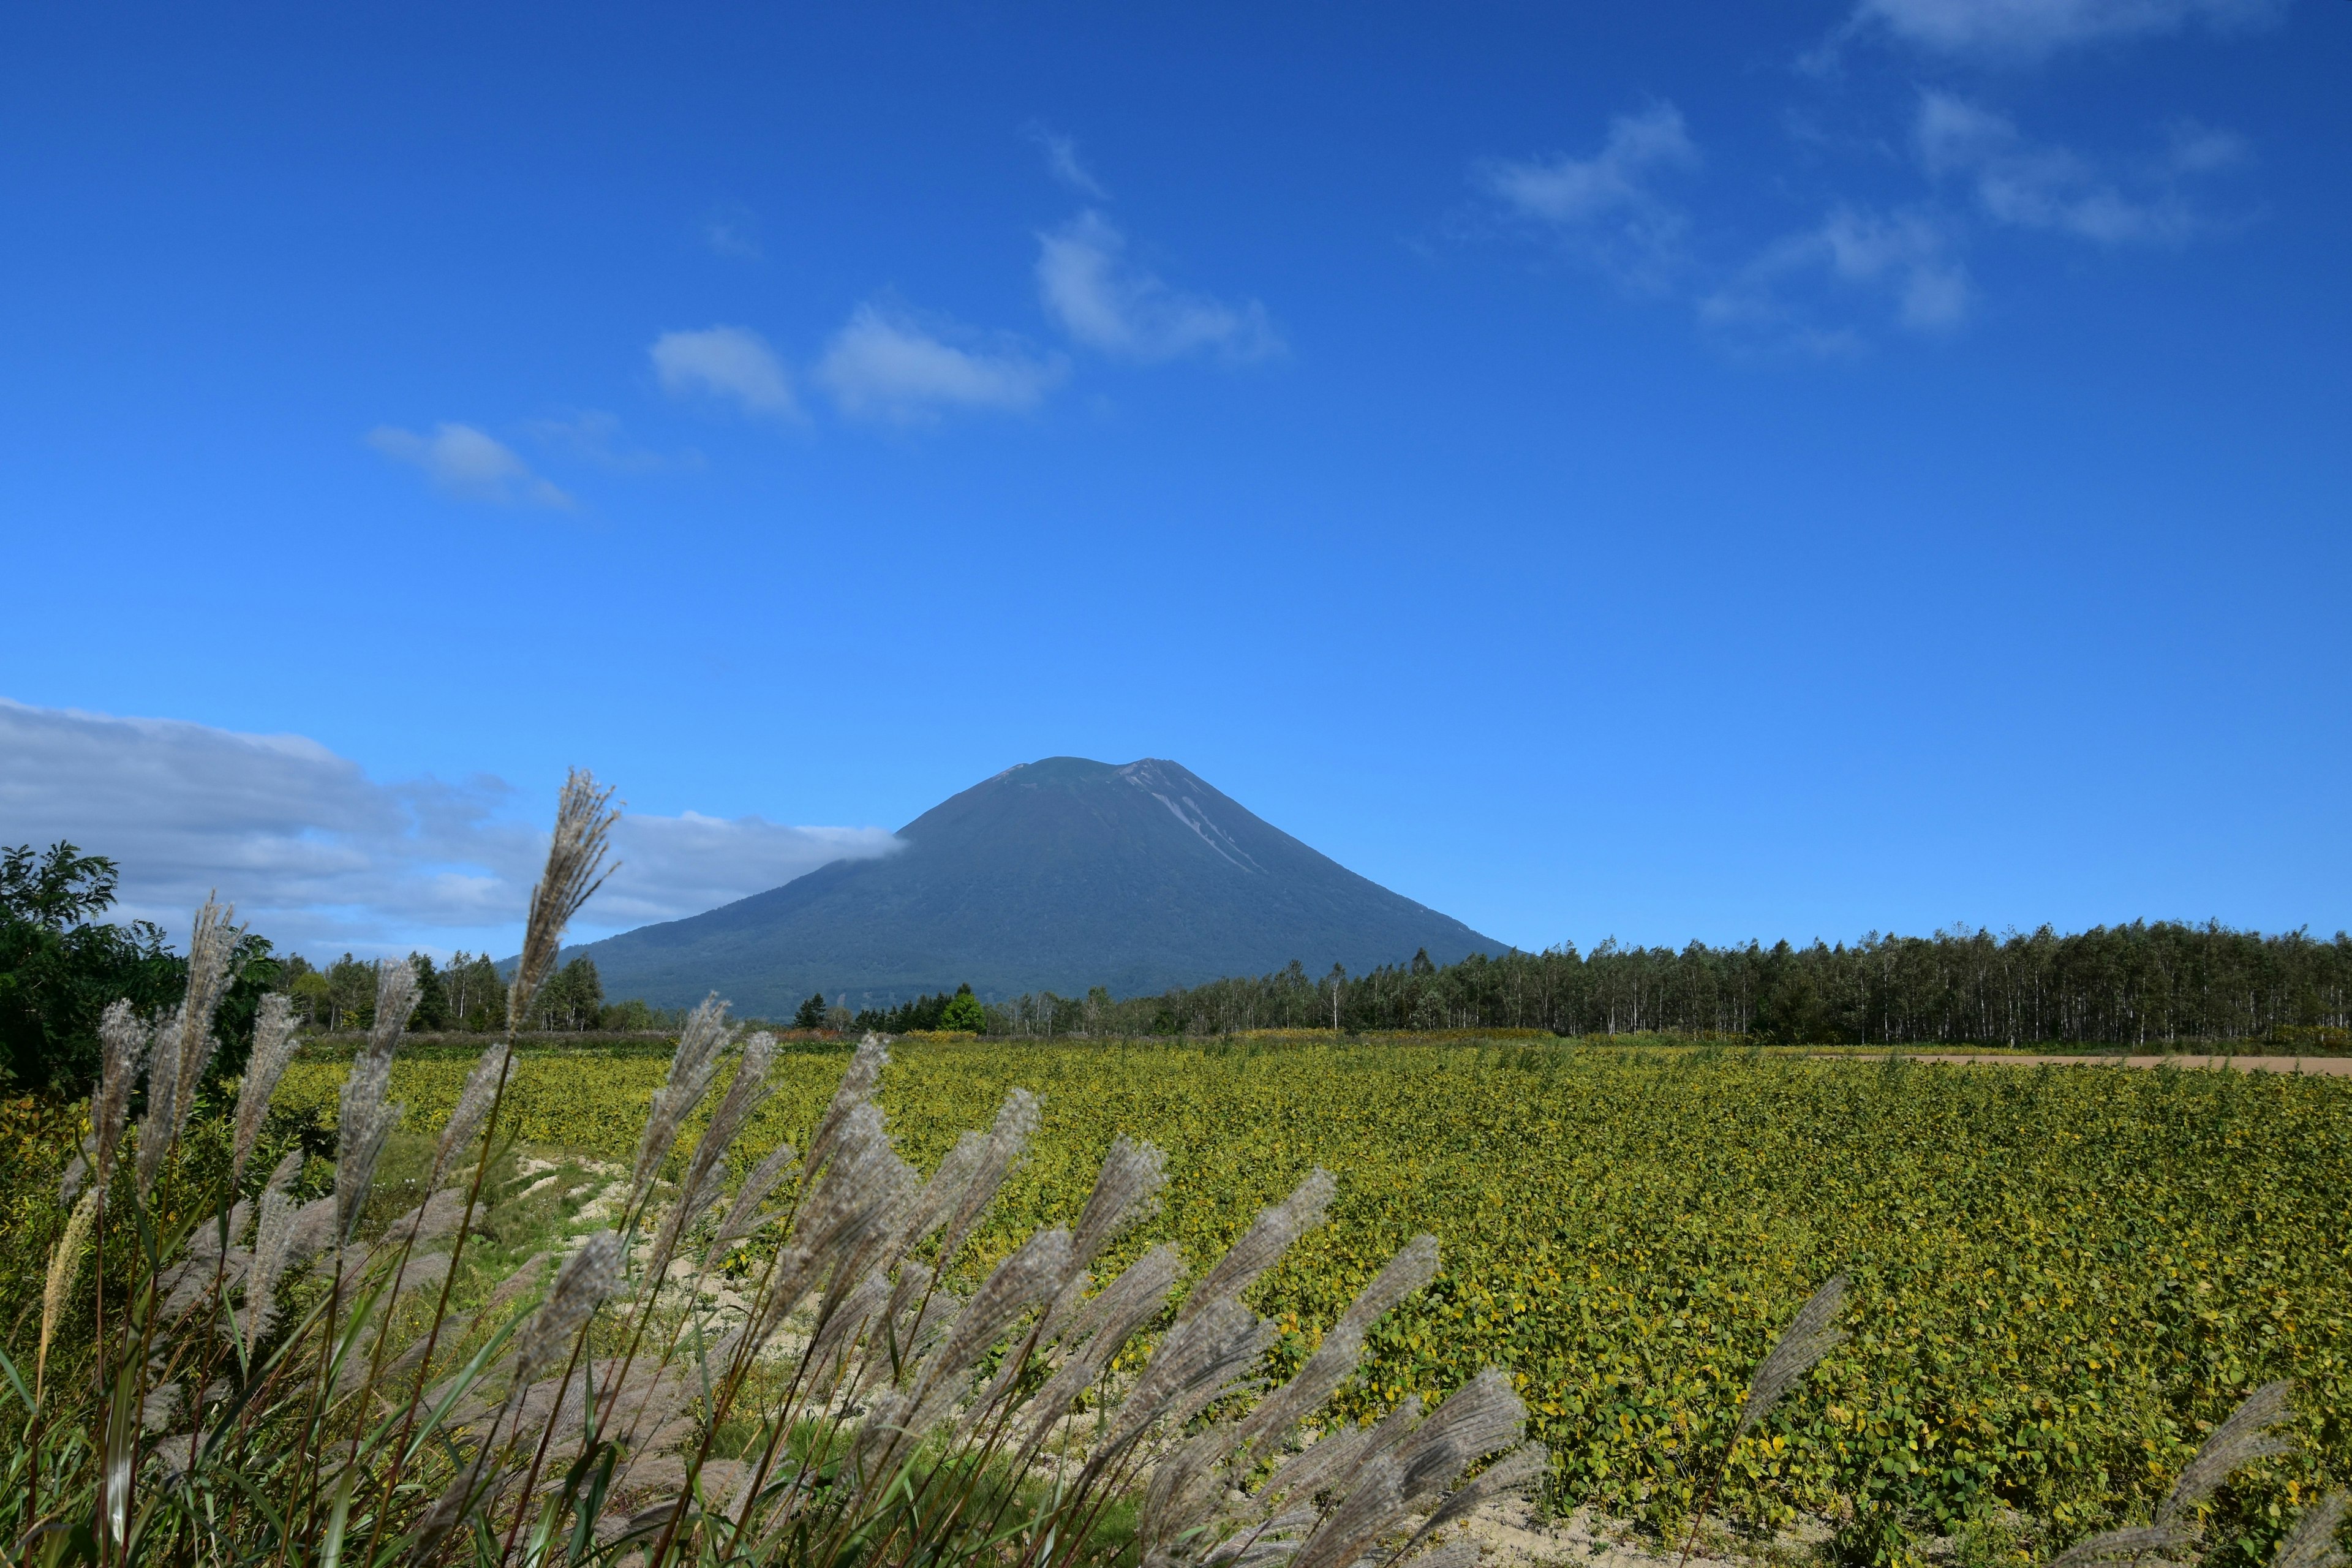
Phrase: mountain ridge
(1059, 874)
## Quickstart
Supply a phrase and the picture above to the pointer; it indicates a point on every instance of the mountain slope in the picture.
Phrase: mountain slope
(1056, 875)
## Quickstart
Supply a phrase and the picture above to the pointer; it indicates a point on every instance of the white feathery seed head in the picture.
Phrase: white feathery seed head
(1125, 1189)
(1812, 1335)
(1271, 1235)
(856, 1088)
(1008, 1141)
(691, 1069)
(742, 1216)
(1414, 1267)
(2245, 1436)
(123, 1042)
(588, 1277)
(474, 1102)
(575, 869)
(2312, 1542)
(273, 1048)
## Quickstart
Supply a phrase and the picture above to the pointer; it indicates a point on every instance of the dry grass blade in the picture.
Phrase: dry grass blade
(742, 1216)
(575, 869)
(364, 1119)
(856, 1088)
(2241, 1439)
(1811, 1336)
(2312, 1542)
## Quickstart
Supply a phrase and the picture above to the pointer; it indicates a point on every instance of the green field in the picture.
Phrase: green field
(2061, 1278)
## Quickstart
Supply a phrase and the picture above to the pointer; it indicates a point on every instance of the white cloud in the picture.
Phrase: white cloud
(1907, 260)
(734, 233)
(2024, 185)
(595, 436)
(732, 362)
(320, 858)
(1607, 204)
(885, 364)
(2030, 29)
(1062, 162)
(464, 462)
(1105, 304)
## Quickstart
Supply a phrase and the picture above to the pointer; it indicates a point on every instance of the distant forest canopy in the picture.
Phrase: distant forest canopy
(2138, 984)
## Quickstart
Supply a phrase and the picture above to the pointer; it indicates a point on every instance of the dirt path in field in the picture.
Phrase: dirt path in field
(2331, 1066)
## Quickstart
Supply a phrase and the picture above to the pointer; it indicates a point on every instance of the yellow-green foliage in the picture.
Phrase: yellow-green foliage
(2061, 1277)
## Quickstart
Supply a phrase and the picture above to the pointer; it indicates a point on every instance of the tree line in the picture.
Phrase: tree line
(2147, 984)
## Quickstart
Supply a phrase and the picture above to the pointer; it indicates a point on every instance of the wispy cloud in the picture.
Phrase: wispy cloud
(733, 232)
(462, 461)
(1607, 205)
(1908, 262)
(2028, 30)
(2029, 185)
(595, 436)
(731, 362)
(319, 857)
(1062, 162)
(1105, 303)
(883, 364)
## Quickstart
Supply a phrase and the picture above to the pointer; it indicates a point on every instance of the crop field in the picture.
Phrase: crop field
(2061, 1277)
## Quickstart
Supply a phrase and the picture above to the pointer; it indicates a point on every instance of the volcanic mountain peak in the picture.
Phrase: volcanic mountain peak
(1059, 874)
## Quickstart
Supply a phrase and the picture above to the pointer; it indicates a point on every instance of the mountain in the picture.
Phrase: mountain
(1057, 875)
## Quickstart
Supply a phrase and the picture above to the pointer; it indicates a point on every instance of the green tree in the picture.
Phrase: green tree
(963, 1012)
(812, 1012)
(60, 969)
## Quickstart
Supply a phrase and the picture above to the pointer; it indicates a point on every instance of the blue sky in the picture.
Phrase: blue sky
(1666, 472)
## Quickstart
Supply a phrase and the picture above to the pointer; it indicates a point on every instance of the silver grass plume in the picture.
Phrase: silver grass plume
(2241, 1439)
(1370, 1509)
(1271, 1419)
(1481, 1417)
(699, 1188)
(273, 1047)
(1099, 1327)
(590, 1275)
(1197, 1359)
(2312, 1542)
(1414, 1267)
(1316, 1467)
(473, 1106)
(1181, 1495)
(856, 1087)
(273, 1240)
(1028, 1278)
(1512, 1474)
(691, 1068)
(1268, 1237)
(1008, 1139)
(184, 1045)
(742, 1216)
(2115, 1545)
(210, 946)
(941, 1196)
(1125, 1189)
(364, 1120)
(123, 1042)
(575, 869)
(65, 1264)
(1811, 1336)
